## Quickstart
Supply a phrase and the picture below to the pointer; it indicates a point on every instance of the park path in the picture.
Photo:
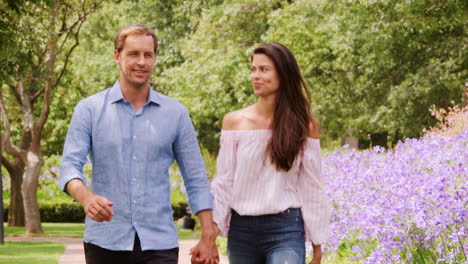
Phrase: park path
(74, 253)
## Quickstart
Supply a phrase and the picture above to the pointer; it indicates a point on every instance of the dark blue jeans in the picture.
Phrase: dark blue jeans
(267, 239)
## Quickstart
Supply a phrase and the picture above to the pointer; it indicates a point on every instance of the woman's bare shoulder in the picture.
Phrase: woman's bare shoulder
(234, 119)
(314, 129)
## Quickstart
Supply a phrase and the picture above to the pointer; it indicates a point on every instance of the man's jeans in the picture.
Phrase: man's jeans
(270, 239)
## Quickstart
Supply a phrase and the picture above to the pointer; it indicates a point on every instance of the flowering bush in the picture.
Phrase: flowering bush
(451, 122)
(407, 205)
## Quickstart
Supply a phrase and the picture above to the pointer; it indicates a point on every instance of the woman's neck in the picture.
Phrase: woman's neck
(265, 107)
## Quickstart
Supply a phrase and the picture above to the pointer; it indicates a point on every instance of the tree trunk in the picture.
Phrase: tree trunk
(16, 211)
(29, 191)
(15, 171)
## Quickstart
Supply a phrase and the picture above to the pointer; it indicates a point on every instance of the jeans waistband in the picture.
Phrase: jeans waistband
(296, 211)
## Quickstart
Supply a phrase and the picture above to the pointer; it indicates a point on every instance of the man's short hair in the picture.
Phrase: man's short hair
(136, 29)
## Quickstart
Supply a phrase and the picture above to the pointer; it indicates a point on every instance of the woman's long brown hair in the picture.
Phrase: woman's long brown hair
(292, 114)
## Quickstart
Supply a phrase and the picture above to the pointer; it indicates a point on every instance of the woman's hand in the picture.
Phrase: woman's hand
(317, 255)
(206, 251)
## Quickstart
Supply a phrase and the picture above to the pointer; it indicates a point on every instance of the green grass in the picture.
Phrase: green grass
(77, 230)
(31, 252)
(187, 234)
(50, 229)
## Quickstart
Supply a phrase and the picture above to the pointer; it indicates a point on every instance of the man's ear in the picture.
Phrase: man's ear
(116, 56)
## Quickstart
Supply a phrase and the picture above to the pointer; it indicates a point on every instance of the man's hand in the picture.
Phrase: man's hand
(317, 255)
(206, 250)
(96, 207)
(204, 253)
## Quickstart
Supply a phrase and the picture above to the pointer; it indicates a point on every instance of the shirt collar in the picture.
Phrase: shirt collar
(115, 94)
(154, 97)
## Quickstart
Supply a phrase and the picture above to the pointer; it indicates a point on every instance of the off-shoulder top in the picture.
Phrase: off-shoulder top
(251, 185)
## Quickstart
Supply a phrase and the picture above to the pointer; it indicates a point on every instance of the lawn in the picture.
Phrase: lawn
(49, 253)
(50, 230)
(77, 230)
(31, 252)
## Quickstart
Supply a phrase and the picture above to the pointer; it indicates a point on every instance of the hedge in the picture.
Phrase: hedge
(72, 212)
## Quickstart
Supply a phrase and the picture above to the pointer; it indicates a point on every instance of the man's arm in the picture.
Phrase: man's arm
(188, 156)
(76, 148)
(96, 207)
(207, 225)
(206, 250)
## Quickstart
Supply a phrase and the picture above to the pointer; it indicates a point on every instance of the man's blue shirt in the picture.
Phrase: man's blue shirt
(131, 153)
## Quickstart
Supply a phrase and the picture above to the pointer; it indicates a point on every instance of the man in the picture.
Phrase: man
(133, 135)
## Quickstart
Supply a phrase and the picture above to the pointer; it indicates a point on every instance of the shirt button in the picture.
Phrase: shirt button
(134, 179)
(134, 136)
(134, 201)
(134, 157)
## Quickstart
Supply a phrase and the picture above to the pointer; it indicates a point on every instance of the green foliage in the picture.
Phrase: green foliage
(374, 67)
(210, 163)
(61, 212)
(94, 69)
(186, 234)
(71, 212)
(34, 53)
(179, 198)
(377, 66)
(213, 80)
(221, 243)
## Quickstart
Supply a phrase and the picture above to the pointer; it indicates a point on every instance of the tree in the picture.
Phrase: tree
(45, 34)
(376, 67)
(1, 199)
(213, 79)
(93, 69)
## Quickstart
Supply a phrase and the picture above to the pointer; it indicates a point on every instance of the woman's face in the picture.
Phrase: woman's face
(263, 76)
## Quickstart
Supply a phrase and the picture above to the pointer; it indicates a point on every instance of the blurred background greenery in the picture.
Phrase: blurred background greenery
(374, 68)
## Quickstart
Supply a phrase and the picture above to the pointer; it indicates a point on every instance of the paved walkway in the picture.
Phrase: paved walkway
(74, 253)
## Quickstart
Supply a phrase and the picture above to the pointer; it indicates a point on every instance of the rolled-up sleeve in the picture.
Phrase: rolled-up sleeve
(221, 186)
(77, 146)
(316, 207)
(190, 161)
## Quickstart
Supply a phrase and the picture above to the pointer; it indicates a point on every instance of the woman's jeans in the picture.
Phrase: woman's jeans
(270, 239)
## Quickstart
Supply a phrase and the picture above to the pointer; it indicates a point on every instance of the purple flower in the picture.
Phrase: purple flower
(389, 203)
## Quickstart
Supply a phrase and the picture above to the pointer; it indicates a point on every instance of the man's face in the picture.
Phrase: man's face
(136, 60)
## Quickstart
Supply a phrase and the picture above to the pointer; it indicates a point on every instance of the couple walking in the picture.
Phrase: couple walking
(267, 196)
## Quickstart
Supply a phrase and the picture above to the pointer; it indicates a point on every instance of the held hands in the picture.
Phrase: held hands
(206, 251)
(98, 208)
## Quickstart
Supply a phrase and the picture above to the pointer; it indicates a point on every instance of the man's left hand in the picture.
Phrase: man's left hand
(205, 252)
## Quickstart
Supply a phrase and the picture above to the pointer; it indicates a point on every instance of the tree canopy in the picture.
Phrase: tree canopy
(373, 67)
(42, 37)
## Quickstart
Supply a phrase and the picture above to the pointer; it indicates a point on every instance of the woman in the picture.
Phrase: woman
(268, 190)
